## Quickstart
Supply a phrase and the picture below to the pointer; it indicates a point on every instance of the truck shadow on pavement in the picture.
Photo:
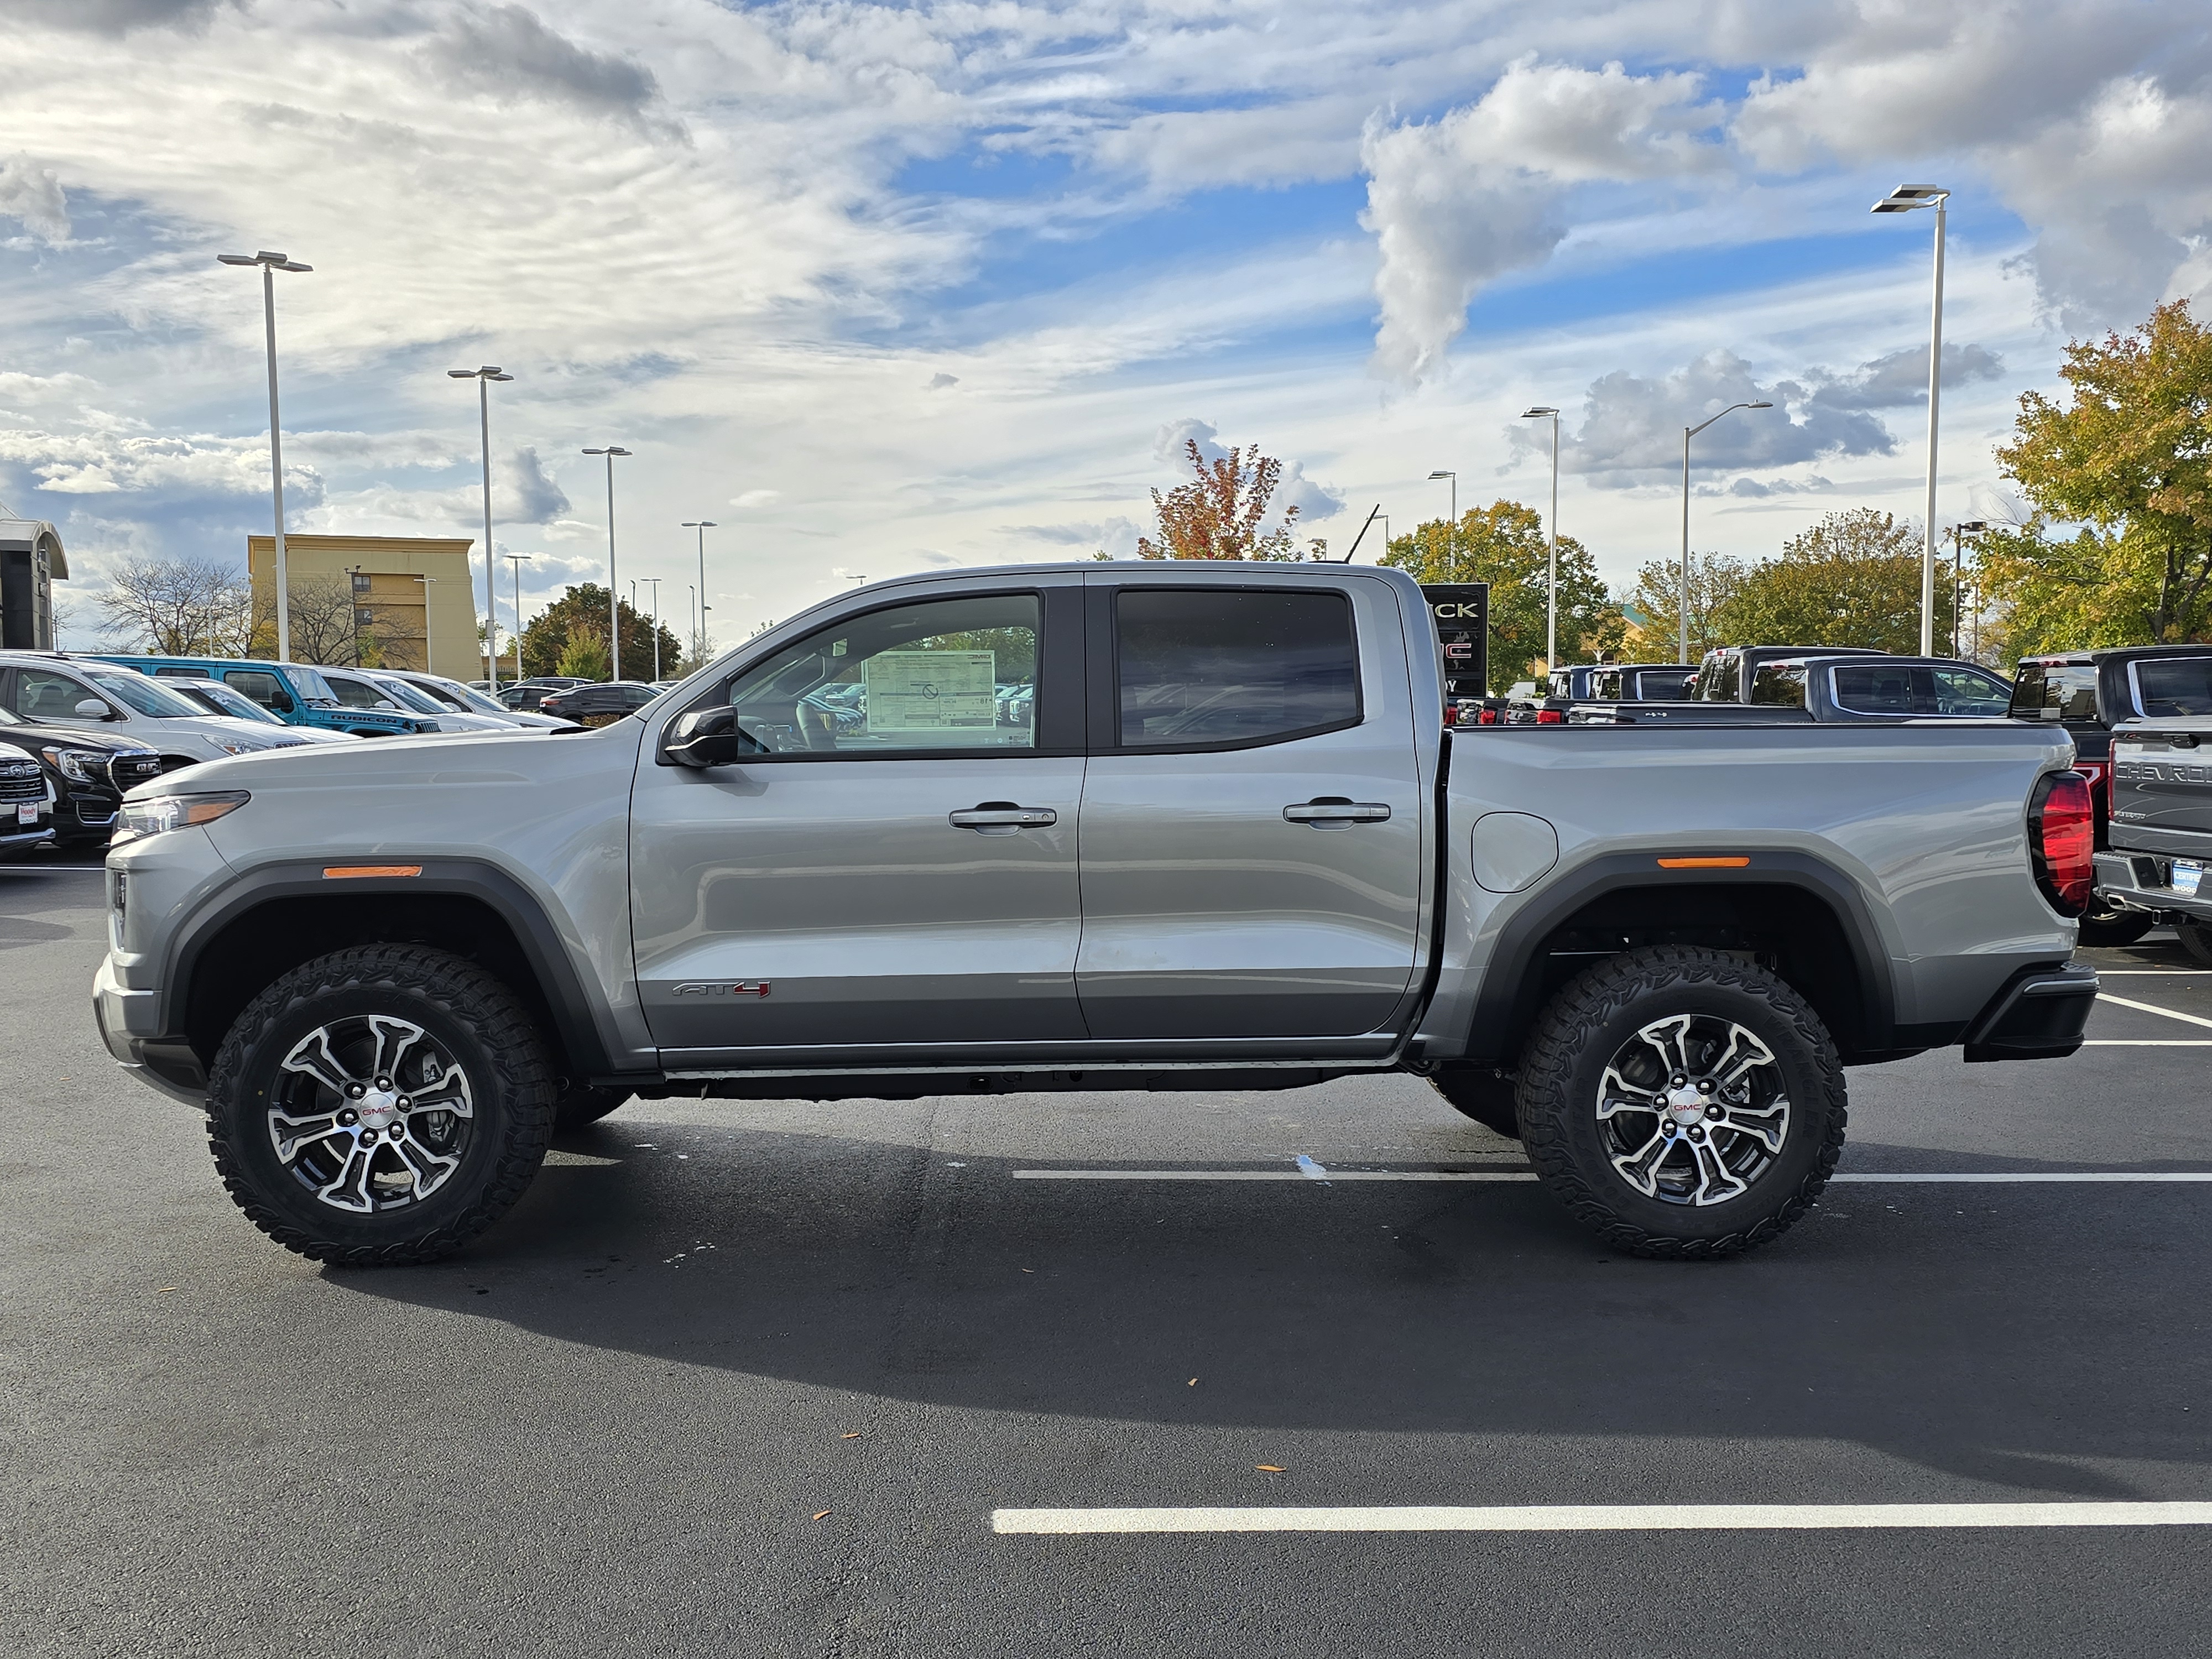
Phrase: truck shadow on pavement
(1962, 1329)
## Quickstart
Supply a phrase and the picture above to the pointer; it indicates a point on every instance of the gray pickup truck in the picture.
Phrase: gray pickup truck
(2161, 827)
(1094, 827)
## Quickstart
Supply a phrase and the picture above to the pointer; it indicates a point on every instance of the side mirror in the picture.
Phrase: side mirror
(92, 708)
(707, 737)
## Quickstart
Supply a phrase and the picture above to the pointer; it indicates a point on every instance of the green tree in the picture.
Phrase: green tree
(2130, 457)
(1217, 514)
(583, 654)
(1504, 544)
(1653, 606)
(585, 606)
(1852, 578)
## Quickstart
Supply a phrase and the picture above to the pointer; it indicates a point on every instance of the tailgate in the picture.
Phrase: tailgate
(2162, 786)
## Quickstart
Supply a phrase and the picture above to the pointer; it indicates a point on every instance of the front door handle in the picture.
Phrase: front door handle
(1335, 813)
(1002, 817)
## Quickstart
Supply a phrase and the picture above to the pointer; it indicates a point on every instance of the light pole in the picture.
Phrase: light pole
(691, 614)
(699, 634)
(271, 264)
(427, 659)
(514, 564)
(1904, 199)
(484, 377)
(1688, 433)
(1971, 527)
(614, 593)
(654, 583)
(1454, 477)
(1541, 412)
(353, 575)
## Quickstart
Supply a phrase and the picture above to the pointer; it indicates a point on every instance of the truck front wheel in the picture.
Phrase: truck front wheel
(379, 1106)
(1681, 1102)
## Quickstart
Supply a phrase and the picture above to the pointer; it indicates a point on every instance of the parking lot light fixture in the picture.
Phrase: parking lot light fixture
(614, 593)
(484, 377)
(1689, 432)
(1541, 412)
(699, 629)
(271, 264)
(1970, 527)
(1454, 477)
(515, 561)
(1907, 198)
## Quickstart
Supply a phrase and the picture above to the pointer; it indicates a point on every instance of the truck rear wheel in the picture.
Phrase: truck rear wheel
(379, 1106)
(1681, 1102)
(2196, 937)
(1481, 1093)
(2115, 926)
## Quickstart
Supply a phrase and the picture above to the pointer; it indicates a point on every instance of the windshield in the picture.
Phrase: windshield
(465, 697)
(409, 696)
(224, 701)
(147, 696)
(309, 684)
(2173, 685)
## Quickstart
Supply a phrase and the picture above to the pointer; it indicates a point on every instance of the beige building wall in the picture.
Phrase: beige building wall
(390, 610)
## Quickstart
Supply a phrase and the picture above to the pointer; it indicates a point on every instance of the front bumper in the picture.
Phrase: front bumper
(2145, 881)
(2040, 1015)
(127, 1022)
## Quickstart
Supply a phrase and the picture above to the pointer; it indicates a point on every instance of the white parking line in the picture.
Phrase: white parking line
(2153, 973)
(2152, 1008)
(2149, 1042)
(1917, 1177)
(1600, 1517)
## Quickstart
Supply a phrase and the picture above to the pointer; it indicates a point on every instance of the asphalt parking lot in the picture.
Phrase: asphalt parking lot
(755, 1380)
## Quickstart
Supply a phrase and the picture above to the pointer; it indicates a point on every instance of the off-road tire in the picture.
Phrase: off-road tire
(580, 1106)
(472, 1015)
(1576, 1038)
(2109, 929)
(1482, 1093)
(2196, 937)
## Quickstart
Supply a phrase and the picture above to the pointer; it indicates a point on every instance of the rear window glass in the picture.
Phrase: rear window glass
(2173, 685)
(1875, 689)
(1204, 666)
(1664, 685)
(2067, 692)
(1779, 682)
(1964, 691)
(1720, 679)
(259, 684)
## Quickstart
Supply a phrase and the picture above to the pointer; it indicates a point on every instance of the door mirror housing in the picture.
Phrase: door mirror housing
(707, 736)
(91, 709)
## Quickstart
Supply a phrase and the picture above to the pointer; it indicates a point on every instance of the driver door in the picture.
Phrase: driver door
(892, 862)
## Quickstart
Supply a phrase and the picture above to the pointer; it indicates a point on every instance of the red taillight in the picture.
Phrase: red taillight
(2062, 836)
(1451, 714)
(1487, 717)
(1550, 717)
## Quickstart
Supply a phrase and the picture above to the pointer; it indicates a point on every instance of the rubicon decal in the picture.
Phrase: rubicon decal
(722, 988)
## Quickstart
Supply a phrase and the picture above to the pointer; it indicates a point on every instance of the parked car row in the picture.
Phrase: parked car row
(89, 726)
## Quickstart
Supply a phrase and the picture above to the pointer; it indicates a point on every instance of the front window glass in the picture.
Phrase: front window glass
(1964, 691)
(262, 686)
(942, 674)
(224, 700)
(2173, 685)
(1875, 689)
(2065, 692)
(1207, 665)
(409, 696)
(358, 694)
(148, 696)
(313, 686)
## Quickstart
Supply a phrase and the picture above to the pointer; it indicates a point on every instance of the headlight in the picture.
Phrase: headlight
(77, 765)
(155, 813)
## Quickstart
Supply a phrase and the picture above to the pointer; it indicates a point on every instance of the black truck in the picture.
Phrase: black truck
(2091, 692)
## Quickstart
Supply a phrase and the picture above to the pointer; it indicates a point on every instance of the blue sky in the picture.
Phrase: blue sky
(882, 288)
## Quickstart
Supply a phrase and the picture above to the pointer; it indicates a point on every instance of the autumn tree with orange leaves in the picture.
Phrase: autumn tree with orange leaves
(1217, 515)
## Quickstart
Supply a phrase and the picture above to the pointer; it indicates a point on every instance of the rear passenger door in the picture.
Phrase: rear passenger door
(1251, 854)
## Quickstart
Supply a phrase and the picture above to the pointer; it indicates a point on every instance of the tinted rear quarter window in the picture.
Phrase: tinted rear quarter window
(2173, 685)
(2066, 691)
(1207, 667)
(1875, 689)
(1779, 682)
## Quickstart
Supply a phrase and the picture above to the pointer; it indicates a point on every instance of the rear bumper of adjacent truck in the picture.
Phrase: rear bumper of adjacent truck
(2145, 881)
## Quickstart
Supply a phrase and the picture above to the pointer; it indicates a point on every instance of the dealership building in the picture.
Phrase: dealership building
(31, 562)
(403, 601)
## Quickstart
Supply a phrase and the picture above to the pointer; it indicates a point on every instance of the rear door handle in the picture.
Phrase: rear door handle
(1002, 817)
(1335, 813)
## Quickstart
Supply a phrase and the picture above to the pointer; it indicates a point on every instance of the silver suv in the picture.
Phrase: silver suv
(53, 689)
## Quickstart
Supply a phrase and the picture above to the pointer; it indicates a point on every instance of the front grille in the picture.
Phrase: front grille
(21, 782)
(125, 771)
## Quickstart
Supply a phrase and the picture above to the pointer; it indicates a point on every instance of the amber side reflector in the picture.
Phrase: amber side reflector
(1703, 864)
(355, 872)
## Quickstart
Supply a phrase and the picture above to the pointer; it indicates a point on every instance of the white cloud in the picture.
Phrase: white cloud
(32, 194)
(1457, 203)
